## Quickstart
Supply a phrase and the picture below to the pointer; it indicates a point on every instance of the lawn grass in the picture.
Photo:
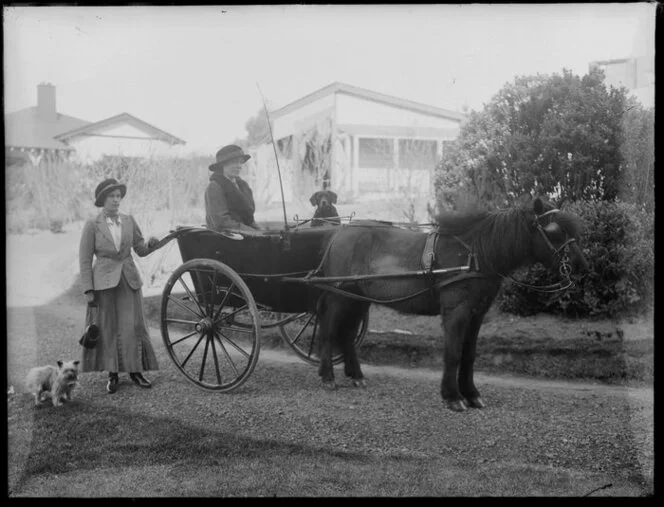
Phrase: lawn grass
(136, 455)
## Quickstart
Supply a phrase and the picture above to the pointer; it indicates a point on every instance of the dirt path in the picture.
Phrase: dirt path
(641, 394)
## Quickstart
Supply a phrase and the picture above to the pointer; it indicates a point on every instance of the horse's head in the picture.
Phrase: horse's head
(555, 238)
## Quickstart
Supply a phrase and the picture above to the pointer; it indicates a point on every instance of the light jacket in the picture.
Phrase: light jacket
(97, 241)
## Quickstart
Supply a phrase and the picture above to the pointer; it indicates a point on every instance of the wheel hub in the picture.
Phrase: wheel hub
(204, 325)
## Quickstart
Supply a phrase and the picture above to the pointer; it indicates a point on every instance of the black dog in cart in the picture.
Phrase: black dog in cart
(326, 213)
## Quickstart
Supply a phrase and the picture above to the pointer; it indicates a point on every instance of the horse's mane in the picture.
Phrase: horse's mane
(501, 238)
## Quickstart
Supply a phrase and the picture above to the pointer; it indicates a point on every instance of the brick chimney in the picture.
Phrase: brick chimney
(46, 101)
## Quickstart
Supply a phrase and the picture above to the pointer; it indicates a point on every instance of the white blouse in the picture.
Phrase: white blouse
(116, 232)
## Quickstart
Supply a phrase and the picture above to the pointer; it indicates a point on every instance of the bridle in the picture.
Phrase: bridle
(560, 254)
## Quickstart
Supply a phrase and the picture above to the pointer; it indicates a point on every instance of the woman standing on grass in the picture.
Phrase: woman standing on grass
(113, 282)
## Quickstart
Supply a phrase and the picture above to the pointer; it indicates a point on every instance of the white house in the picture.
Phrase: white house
(358, 142)
(41, 132)
(637, 74)
(121, 135)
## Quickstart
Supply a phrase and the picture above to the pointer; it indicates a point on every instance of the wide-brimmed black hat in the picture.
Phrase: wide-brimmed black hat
(228, 153)
(105, 187)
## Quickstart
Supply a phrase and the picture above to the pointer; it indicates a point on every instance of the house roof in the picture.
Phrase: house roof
(91, 129)
(25, 129)
(368, 95)
(399, 131)
(611, 62)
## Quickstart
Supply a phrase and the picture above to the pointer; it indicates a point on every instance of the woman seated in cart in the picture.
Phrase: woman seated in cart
(229, 202)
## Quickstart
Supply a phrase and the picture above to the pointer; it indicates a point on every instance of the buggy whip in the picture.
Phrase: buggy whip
(276, 157)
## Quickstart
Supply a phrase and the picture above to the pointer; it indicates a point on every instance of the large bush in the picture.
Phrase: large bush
(547, 135)
(619, 245)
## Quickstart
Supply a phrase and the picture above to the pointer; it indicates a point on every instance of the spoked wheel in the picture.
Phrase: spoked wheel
(302, 333)
(210, 325)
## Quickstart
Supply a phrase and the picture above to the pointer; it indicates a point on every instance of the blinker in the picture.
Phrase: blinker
(552, 228)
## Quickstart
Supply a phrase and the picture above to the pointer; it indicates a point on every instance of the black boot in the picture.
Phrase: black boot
(112, 384)
(138, 379)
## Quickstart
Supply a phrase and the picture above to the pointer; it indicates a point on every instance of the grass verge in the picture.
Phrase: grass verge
(611, 361)
(593, 353)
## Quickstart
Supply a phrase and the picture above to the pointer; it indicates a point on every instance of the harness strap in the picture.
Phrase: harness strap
(314, 272)
(428, 254)
(466, 245)
(551, 288)
(439, 285)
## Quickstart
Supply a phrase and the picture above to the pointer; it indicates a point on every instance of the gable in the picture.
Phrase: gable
(304, 117)
(341, 88)
(122, 125)
(357, 106)
(362, 111)
(115, 130)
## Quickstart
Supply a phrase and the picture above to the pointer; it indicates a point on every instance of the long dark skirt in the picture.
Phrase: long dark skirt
(124, 345)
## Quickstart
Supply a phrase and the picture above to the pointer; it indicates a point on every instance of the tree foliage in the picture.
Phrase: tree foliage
(556, 135)
(639, 155)
(258, 130)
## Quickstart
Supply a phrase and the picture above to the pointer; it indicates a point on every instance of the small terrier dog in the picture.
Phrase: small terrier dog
(324, 201)
(58, 383)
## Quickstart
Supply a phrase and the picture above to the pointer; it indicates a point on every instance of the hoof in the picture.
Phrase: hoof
(475, 402)
(330, 385)
(457, 406)
(359, 383)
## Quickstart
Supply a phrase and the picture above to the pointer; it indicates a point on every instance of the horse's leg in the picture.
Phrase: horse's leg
(466, 381)
(466, 369)
(455, 324)
(353, 318)
(329, 317)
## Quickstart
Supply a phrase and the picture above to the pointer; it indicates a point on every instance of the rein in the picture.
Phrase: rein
(554, 287)
(561, 254)
(351, 295)
(322, 285)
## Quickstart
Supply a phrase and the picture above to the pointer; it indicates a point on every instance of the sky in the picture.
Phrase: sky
(195, 72)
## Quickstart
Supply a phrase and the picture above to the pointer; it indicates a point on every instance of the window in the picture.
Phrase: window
(376, 153)
(417, 154)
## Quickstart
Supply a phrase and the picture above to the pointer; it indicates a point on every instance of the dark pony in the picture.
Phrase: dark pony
(494, 244)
